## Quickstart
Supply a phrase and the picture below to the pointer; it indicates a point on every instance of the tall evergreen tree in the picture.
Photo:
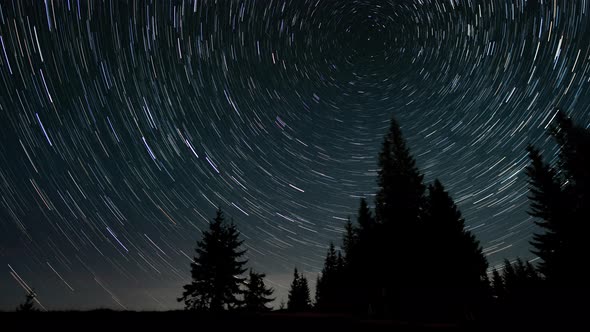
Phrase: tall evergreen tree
(509, 276)
(360, 262)
(299, 299)
(574, 165)
(549, 206)
(349, 240)
(329, 287)
(318, 292)
(560, 203)
(257, 295)
(216, 270)
(452, 249)
(401, 190)
(365, 219)
(340, 264)
(574, 143)
(398, 205)
(520, 282)
(532, 273)
(517, 290)
(497, 285)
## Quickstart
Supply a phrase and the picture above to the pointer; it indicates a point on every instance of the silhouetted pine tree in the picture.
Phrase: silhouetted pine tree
(574, 143)
(398, 205)
(299, 299)
(532, 273)
(318, 292)
(401, 191)
(450, 248)
(497, 285)
(349, 240)
(520, 283)
(304, 289)
(574, 166)
(365, 219)
(359, 247)
(257, 295)
(560, 200)
(216, 269)
(413, 243)
(359, 241)
(340, 264)
(329, 289)
(548, 204)
(29, 304)
(519, 292)
(509, 277)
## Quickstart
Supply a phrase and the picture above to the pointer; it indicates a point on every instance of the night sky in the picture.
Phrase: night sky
(125, 124)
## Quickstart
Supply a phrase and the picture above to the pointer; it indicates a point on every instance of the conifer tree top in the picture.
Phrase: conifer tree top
(216, 269)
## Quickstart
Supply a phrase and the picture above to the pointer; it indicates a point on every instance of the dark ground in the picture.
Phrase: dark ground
(181, 321)
(107, 320)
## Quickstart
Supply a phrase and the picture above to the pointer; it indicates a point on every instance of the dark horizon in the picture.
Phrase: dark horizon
(126, 124)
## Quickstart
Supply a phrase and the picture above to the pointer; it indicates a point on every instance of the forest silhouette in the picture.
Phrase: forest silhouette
(409, 258)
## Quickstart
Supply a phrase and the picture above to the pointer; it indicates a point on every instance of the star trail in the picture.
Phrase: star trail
(125, 124)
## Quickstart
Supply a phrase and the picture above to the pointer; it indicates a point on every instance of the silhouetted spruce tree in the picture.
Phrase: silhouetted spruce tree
(401, 191)
(450, 248)
(532, 273)
(329, 289)
(29, 304)
(574, 164)
(365, 219)
(527, 275)
(299, 299)
(497, 285)
(349, 240)
(362, 258)
(549, 206)
(509, 277)
(356, 238)
(257, 295)
(520, 291)
(560, 202)
(398, 206)
(340, 264)
(318, 291)
(216, 269)
(574, 143)
(520, 280)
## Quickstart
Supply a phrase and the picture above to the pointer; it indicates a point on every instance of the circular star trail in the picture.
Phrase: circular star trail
(125, 124)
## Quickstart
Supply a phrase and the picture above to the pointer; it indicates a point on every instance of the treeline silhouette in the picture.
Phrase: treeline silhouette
(411, 258)
(216, 272)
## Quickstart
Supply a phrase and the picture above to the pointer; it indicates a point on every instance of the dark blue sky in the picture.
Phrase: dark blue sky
(125, 124)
